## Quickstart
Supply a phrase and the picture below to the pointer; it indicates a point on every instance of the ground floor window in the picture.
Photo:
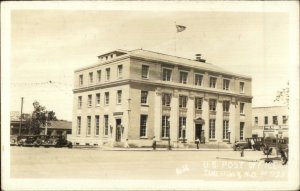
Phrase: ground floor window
(212, 128)
(88, 131)
(105, 125)
(225, 129)
(165, 126)
(78, 125)
(97, 125)
(143, 125)
(242, 125)
(182, 126)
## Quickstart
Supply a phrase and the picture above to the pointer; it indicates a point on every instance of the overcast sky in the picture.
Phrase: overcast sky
(51, 44)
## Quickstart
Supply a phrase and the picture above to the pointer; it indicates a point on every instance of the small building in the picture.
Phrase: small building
(270, 121)
(139, 94)
(59, 127)
(15, 122)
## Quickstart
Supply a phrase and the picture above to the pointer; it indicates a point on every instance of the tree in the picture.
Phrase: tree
(283, 95)
(40, 116)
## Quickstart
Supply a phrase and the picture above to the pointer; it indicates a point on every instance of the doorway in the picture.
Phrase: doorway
(198, 130)
(118, 130)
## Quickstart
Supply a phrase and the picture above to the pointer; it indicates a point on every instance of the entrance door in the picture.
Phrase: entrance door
(118, 130)
(198, 129)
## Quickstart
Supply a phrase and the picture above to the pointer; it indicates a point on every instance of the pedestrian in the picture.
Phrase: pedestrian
(154, 143)
(126, 145)
(197, 142)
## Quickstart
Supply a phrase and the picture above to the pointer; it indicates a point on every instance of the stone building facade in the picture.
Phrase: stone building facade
(139, 94)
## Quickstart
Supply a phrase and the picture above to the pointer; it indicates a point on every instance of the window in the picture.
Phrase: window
(91, 77)
(105, 125)
(226, 105)
(78, 125)
(167, 74)
(99, 75)
(97, 99)
(275, 120)
(284, 120)
(166, 100)
(182, 126)
(143, 125)
(212, 82)
(266, 120)
(242, 108)
(242, 124)
(212, 128)
(97, 120)
(198, 103)
(198, 79)
(120, 71)
(80, 80)
(79, 102)
(145, 72)
(144, 97)
(165, 126)
(212, 104)
(119, 96)
(256, 120)
(183, 77)
(226, 84)
(107, 74)
(225, 129)
(88, 130)
(242, 87)
(106, 98)
(182, 101)
(89, 100)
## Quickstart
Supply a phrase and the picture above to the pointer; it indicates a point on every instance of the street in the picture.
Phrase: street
(31, 162)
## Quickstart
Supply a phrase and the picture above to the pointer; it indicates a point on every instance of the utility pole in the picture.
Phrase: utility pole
(21, 117)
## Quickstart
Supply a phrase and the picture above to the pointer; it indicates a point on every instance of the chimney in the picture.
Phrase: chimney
(199, 59)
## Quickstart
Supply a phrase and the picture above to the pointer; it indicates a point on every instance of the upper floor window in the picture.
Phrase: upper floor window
(107, 74)
(99, 75)
(275, 120)
(144, 97)
(120, 71)
(167, 74)
(198, 79)
(119, 96)
(80, 80)
(198, 103)
(212, 105)
(89, 100)
(226, 84)
(145, 71)
(226, 105)
(242, 87)
(91, 77)
(183, 77)
(106, 98)
(97, 99)
(266, 120)
(242, 125)
(256, 120)
(79, 102)
(212, 82)
(242, 108)
(166, 99)
(182, 101)
(284, 120)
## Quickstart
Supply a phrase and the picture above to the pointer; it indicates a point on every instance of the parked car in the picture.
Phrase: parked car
(40, 140)
(254, 143)
(26, 140)
(57, 141)
(13, 141)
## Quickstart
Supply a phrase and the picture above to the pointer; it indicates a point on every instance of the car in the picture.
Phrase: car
(26, 140)
(57, 141)
(40, 140)
(13, 141)
(254, 143)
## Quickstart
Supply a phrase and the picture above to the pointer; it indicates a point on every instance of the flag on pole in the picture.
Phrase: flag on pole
(180, 28)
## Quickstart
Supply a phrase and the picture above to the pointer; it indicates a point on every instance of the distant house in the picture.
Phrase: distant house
(15, 121)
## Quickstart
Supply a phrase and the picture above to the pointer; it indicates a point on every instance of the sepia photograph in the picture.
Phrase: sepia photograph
(140, 95)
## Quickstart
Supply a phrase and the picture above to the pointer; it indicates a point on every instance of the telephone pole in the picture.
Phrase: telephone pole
(21, 117)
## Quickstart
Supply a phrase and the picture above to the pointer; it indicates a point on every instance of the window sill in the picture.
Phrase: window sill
(144, 137)
(144, 105)
(165, 138)
(242, 114)
(213, 140)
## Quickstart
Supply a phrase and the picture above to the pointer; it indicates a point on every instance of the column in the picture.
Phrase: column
(174, 117)
(219, 121)
(190, 125)
(205, 117)
(232, 119)
(157, 114)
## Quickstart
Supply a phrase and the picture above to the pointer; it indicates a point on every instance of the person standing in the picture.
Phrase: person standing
(197, 142)
(126, 144)
(154, 143)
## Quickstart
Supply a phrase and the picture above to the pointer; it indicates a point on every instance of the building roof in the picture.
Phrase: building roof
(146, 54)
(60, 125)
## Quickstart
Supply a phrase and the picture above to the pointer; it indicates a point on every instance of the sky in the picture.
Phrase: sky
(48, 45)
